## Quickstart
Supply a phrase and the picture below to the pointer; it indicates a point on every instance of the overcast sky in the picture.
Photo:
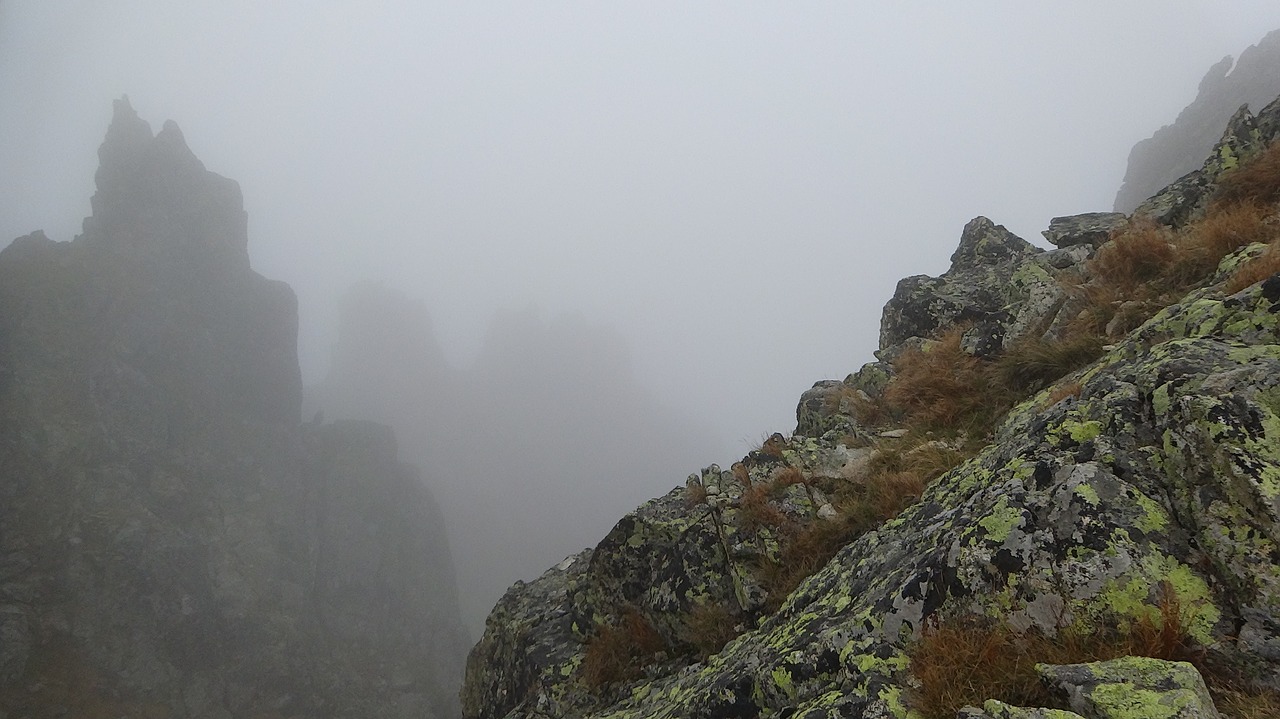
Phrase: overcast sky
(735, 187)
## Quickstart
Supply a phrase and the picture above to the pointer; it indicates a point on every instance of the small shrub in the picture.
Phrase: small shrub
(1255, 270)
(621, 652)
(1256, 181)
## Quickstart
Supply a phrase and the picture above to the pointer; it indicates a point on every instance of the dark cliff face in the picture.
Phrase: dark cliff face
(173, 542)
(1176, 149)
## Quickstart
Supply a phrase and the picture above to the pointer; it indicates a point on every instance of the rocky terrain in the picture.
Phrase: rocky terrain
(1056, 494)
(1178, 148)
(174, 542)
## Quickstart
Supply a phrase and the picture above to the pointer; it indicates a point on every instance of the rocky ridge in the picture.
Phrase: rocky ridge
(1178, 148)
(1139, 492)
(174, 542)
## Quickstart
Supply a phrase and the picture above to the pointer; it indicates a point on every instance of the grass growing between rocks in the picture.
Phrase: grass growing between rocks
(965, 662)
(1148, 266)
(968, 661)
(621, 651)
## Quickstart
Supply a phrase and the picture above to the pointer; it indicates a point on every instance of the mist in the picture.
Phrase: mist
(707, 204)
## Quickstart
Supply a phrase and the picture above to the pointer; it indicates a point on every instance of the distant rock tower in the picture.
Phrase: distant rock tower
(1174, 150)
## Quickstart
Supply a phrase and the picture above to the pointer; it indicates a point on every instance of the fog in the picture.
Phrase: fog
(717, 198)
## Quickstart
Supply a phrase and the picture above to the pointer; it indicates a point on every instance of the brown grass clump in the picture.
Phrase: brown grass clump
(1221, 232)
(1142, 253)
(965, 662)
(708, 627)
(757, 511)
(621, 652)
(1033, 364)
(1255, 270)
(1061, 392)
(1241, 702)
(1256, 181)
(695, 494)
(942, 387)
(787, 476)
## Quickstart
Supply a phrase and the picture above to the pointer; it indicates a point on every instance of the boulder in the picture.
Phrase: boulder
(1132, 687)
(1090, 228)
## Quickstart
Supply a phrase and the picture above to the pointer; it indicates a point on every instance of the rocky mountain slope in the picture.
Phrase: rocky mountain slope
(1178, 148)
(174, 542)
(1060, 480)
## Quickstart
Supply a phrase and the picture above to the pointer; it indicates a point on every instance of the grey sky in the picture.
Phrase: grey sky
(736, 187)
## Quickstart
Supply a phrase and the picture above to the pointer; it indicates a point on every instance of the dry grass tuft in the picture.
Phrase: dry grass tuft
(1257, 181)
(1061, 392)
(1032, 365)
(787, 476)
(1221, 232)
(943, 387)
(968, 661)
(757, 511)
(708, 627)
(694, 494)
(965, 662)
(1142, 253)
(621, 652)
(1255, 270)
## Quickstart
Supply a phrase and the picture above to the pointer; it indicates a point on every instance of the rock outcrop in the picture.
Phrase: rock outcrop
(1140, 490)
(174, 542)
(1177, 149)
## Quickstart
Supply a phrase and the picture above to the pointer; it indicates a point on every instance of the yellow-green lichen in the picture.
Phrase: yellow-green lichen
(1132, 596)
(782, 678)
(1125, 701)
(1153, 517)
(1001, 521)
(1087, 493)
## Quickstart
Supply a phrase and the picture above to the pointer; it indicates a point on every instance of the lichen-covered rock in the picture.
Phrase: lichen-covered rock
(1155, 485)
(992, 709)
(1180, 147)
(1090, 228)
(1133, 687)
(971, 290)
(1186, 199)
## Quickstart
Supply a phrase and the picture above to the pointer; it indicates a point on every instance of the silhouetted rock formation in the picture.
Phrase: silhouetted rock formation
(531, 450)
(1179, 148)
(173, 542)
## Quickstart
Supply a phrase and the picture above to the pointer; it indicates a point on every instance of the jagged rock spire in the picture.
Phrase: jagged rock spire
(155, 196)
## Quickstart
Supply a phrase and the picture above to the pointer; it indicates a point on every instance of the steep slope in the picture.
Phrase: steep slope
(1080, 445)
(173, 541)
(1178, 148)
